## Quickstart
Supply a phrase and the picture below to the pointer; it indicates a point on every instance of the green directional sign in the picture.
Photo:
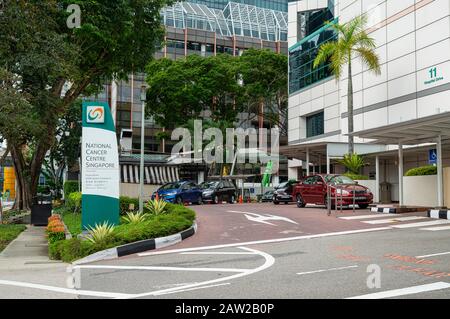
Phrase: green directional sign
(100, 166)
(267, 175)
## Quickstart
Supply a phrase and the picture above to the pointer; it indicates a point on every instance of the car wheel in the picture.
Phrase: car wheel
(179, 201)
(300, 201)
(232, 199)
(200, 200)
(363, 206)
(216, 199)
(275, 201)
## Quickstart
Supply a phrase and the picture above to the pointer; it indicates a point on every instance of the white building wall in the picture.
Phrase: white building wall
(412, 37)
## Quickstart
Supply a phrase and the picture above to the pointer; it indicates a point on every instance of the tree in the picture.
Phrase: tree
(65, 150)
(265, 80)
(184, 89)
(47, 66)
(353, 42)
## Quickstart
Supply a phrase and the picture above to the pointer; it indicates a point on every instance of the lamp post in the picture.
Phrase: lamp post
(141, 176)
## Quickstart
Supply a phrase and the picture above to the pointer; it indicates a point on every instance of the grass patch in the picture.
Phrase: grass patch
(177, 219)
(8, 233)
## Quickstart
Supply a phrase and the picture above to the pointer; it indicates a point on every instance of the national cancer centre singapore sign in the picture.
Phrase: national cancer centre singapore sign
(100, 166)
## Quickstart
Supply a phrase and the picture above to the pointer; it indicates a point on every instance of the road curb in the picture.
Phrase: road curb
(383, 210)
(439, 214)
(138, 247)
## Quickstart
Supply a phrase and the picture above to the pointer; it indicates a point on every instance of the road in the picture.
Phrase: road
(266, 251)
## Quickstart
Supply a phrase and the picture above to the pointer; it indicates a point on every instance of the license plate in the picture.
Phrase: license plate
(360, 198)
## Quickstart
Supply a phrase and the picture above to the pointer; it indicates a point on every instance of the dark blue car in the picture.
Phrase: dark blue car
(180, 193)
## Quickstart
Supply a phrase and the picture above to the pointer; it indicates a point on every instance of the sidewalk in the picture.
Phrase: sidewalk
(26, 260)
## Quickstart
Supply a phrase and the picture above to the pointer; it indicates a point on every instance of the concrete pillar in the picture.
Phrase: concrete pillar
(400, 173)
(377, 180)
(328, 164)
(440, 180)
(307, 163)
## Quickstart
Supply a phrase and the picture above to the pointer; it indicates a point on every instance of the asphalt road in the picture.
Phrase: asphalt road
(266, 251)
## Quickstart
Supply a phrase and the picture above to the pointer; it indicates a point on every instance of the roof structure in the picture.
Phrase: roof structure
(236, 19)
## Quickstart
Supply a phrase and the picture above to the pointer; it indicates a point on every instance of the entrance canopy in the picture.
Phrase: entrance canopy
(414, 132)
(434, 129)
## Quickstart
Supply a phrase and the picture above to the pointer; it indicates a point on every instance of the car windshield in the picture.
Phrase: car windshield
(283, 185)
(207, 185)
(339, 179)
(169, 186)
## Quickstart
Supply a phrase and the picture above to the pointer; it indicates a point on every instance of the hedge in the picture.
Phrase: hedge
(356, 177)
(125, 204)
(422, 171)
(177, 219)
(70, 187)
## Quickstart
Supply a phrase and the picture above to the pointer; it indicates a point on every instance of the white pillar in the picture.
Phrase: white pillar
(328, 164)
(307, 162)
(440, 181)
(377, 180)
(400, 173)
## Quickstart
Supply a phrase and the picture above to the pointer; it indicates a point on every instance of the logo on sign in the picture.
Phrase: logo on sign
(95, 114)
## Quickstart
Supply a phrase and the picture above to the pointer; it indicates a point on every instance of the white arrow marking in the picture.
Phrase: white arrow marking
(264, 218)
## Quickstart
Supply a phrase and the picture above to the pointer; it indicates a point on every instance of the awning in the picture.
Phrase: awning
(414, 132)
(153, 175)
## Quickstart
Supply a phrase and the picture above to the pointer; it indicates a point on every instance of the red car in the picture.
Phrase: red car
(313, 190)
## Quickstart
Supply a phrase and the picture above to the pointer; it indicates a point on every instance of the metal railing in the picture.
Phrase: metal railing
(338, 206)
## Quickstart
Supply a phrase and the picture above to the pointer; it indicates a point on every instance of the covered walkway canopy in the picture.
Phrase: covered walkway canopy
(434, 129)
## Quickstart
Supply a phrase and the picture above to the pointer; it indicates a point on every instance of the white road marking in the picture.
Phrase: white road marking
(64, 290)
(263, 218)
(190, 289)
(269, 261)
(394, 220)
(155, 268)
(439, 254)
(437, 228)
(366, 217)
(216, 253)
(424, 224)
(325, 270)
(269, 241)
(405, 291)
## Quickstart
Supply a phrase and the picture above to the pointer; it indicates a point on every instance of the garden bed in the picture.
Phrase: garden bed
(8, 233)
(175, 219)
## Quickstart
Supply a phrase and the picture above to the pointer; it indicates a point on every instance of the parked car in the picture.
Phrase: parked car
(218, 191)
(180, 192)
(313, 190)
(267, 197)
(283, 193)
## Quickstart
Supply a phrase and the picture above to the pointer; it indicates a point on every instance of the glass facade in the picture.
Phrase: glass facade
(235, 19)
(315, 125)
(311, 33)
(279, 5)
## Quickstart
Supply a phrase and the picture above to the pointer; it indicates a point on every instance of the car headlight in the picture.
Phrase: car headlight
(209, 193)
(342, 192)
(368, 191)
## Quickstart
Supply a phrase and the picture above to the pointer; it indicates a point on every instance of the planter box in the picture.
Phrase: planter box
(420, 191)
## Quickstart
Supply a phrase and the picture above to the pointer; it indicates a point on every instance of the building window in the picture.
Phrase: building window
(315, 125)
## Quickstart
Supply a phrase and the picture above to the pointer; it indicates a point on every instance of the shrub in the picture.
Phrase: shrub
(70, 187)
(422, 171)
(100, 233)
(156, 206)
(357, 177)
(124, 203)
(74, 201)
(133, 218)
(55, 229)
(353, 163)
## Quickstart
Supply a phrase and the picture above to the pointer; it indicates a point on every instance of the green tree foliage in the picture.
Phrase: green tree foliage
(217, 87)
(45, 67)
(353, 42)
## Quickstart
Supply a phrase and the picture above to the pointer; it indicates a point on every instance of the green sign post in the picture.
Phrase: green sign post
(100, 166)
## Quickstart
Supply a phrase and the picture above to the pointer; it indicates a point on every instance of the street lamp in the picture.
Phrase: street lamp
(141, 176)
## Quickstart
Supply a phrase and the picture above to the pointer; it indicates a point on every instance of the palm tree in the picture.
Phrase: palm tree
(353, 42)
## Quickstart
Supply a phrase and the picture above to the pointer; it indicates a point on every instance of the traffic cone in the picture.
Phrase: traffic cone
(241, 200)
(157, 197)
